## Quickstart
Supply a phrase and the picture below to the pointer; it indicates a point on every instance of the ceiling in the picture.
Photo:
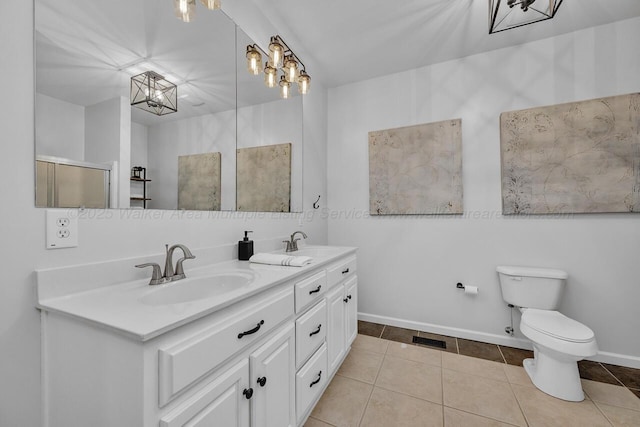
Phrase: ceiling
(356, 40)
(87, 51)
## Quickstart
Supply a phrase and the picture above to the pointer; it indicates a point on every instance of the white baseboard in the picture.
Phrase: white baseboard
(602, 356)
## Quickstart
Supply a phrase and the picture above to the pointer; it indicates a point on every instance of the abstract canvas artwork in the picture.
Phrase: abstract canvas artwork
(199, 182)
(580, 157)
(416, 170)
(264, 178)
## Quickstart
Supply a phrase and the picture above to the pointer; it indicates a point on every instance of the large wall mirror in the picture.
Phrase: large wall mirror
(233, 144)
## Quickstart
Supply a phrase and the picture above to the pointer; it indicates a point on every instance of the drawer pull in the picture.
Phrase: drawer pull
(317, 331)
(316, 381)
(316, 290)
(248, 393)
(345, 271)
(252, 331)
(262, 381)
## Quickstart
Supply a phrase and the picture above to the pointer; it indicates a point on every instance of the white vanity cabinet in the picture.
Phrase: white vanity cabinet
(261, 361)
(342, 309)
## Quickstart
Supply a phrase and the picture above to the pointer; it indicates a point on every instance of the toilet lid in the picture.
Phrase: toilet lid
(557, 325)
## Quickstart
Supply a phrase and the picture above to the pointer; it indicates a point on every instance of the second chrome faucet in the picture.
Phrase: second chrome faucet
(169, 275)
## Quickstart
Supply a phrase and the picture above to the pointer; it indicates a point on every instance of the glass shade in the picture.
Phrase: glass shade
(304, 81)
(285, 87)
(185, 9)
(270, 76)
(212, 4)
(276, 54)
(291, 69)
(153, 93)
(254, 60)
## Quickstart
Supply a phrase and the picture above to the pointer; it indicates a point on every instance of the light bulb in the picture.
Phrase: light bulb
(304, 81)
(269, 76)
(254, 59)
(211, 4)
(185, 9)
(291, 69)
(285, 86)
(276, 53)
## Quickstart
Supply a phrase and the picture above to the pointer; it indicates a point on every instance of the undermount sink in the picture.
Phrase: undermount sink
(315, 252)
(192, 289)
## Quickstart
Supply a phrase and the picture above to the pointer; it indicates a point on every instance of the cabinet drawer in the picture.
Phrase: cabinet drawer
(340, 270)
(310, 381)
(311, 330)
(184, 363)
(310, 289)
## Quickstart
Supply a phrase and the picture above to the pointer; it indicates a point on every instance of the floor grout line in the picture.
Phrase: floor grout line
(611, 373)
(502, 354)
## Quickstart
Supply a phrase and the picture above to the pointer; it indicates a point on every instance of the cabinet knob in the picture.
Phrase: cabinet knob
(346, 300)
(262, 381)
(248, 392)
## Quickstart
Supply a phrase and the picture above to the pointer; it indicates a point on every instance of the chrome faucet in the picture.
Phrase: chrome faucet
(292, 245)
(158, 278)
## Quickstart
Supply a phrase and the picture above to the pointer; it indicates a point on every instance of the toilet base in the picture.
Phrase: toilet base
(556, 376)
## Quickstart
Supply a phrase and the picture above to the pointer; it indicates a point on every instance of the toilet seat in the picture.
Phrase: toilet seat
(556, 325)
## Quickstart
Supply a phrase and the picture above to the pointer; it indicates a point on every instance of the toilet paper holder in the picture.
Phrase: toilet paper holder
(459, 285)
(471, 290)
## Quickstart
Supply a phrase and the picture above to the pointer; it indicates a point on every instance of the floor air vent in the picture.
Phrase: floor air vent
(429, 342)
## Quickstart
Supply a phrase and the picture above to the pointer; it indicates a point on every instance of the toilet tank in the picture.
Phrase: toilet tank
(532, 287)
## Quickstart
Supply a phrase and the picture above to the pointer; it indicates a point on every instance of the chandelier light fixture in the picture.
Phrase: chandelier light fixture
(185, 10)
(153, 93)
(280, 58)
(508, 14)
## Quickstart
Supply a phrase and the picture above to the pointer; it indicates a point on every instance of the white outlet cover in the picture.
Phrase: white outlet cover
(61, 228)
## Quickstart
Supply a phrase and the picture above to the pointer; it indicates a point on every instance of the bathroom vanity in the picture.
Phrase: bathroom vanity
(233, 344)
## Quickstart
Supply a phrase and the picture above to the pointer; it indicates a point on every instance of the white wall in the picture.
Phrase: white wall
(102, 234)
(139, 145)
(409, 266)
(60, 130)
(108, 139)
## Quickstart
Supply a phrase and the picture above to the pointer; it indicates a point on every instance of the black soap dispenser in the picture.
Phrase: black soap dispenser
(245, 247)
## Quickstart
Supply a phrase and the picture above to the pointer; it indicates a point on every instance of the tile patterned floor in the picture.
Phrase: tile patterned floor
(387, 381)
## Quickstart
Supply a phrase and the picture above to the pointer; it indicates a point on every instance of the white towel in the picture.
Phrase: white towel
(277, 259)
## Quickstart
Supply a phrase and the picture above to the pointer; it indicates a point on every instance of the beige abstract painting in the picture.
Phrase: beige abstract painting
(199, 184)
(416, 170)
(264, 178)
(580, 157)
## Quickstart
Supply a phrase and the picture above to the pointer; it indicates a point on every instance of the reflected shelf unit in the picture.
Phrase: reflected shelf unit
(137, 182)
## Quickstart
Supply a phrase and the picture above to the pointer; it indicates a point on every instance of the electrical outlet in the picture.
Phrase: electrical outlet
(61, 229)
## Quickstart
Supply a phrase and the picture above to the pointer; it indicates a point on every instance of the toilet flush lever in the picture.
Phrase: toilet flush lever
(519, 279)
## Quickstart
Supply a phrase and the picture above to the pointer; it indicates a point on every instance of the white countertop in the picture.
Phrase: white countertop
(120, 306)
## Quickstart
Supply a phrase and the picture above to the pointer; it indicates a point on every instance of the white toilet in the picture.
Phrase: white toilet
(558, 341)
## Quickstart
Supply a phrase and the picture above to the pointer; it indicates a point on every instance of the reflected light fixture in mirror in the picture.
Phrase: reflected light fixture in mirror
(185, 10)
(153, 93)
(505, 15)
(281, 57)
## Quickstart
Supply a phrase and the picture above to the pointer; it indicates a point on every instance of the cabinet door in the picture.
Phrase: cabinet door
(272, 369)
(351, 310)
(224, 402)
(336, 327)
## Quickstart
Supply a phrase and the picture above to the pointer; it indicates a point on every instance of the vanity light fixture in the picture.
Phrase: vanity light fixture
(185, 10)
(508, 14)
(153, 93)
(282, 58)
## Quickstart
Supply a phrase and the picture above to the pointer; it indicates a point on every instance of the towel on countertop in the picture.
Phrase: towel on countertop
(277, 259)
